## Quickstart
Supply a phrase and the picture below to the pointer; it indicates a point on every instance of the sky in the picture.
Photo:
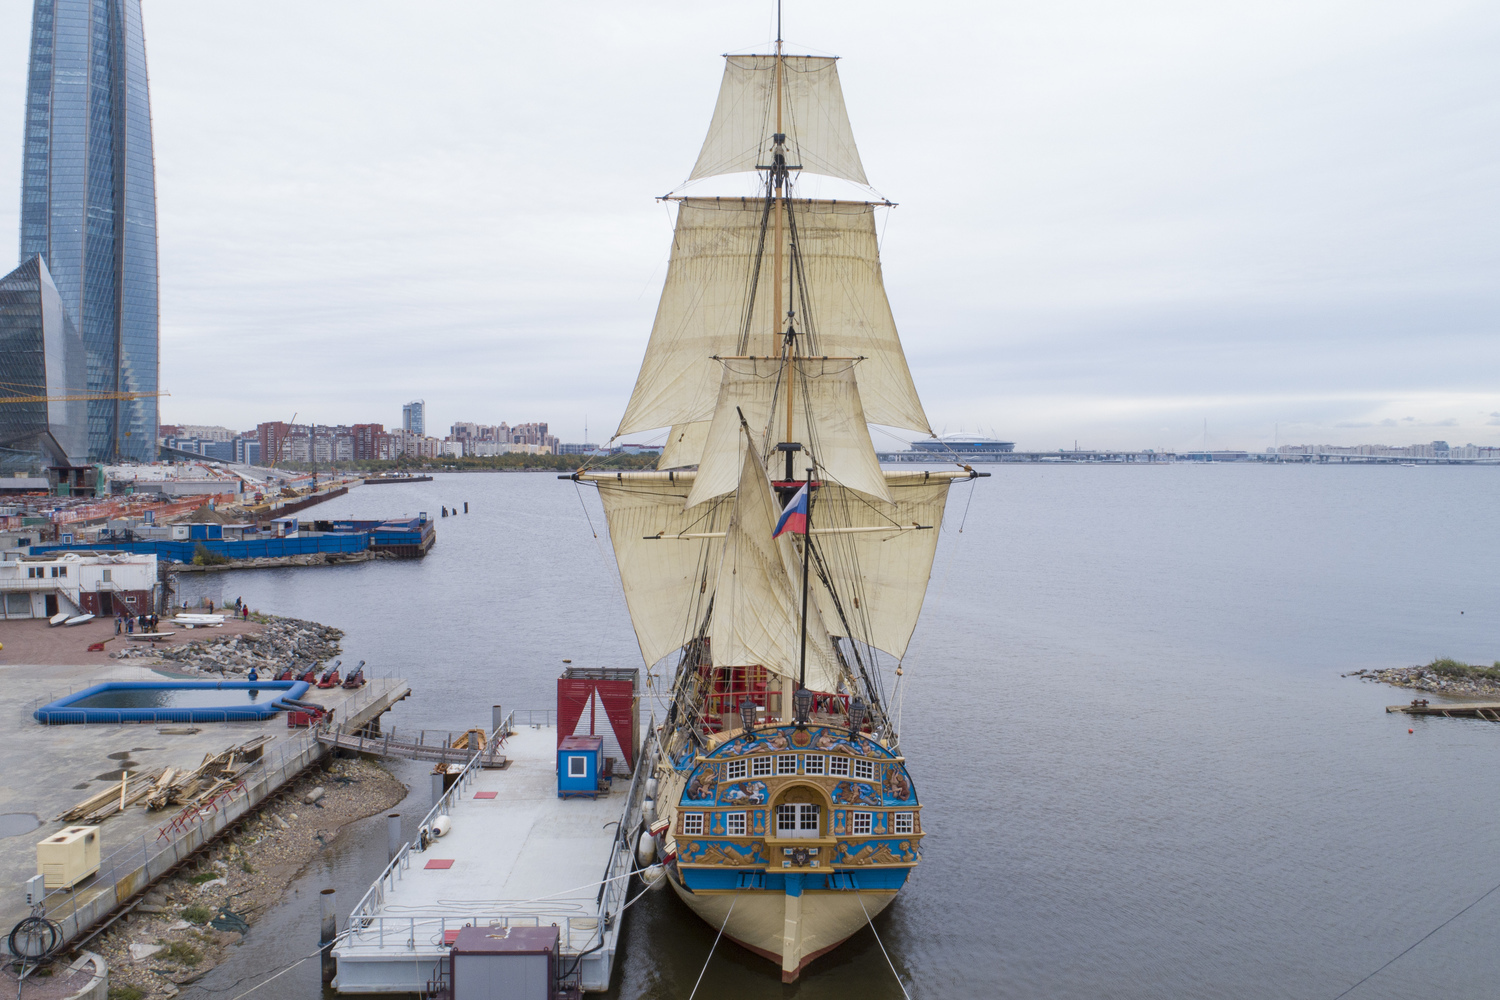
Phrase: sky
(1151, 224)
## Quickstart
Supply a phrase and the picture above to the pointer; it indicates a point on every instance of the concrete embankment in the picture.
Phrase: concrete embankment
(272, 562)
(181, 928)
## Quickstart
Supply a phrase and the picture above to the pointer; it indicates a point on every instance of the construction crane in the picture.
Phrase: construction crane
(281, 443)
(70, 395)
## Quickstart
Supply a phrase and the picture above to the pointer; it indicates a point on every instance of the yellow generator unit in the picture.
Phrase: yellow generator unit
(68, 856)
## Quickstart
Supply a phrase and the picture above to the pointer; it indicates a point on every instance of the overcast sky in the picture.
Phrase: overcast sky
(1117, 220)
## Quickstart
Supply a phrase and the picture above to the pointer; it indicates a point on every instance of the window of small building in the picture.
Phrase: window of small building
(786, 764)
(760, 767)
(736, 769)
(861, 823)
(108, 575)
(692, 823)
(578, 767)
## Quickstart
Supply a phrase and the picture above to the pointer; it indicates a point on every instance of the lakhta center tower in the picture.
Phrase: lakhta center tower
(88, 205)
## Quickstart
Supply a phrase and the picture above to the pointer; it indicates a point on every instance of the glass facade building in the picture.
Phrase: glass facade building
(41, 354)
(88, 205)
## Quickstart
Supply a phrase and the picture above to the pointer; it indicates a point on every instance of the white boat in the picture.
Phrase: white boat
(769, 558)
(79, 619)
(150, 635)
(59, 618)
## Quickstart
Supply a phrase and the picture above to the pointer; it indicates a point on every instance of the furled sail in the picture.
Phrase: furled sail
(707, 310)
(813, 118)
(757, 598)
(880, 577)
(827, 420)
(667, 583)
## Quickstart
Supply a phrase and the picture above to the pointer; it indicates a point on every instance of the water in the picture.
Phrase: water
(186, 696)
(1142, 772)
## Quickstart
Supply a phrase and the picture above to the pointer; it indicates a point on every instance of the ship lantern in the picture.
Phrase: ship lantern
(856, 715)
(747, 714)
(802, 703)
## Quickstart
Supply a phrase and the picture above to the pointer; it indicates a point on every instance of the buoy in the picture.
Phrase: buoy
(652, 876)
(441, 826)
(645, 848)
(1411, 730)
(650, 788)
(648, 810)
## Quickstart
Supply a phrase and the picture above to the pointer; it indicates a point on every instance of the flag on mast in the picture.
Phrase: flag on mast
(794, 517)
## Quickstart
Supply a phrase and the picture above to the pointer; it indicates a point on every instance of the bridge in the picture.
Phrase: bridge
(363, 740)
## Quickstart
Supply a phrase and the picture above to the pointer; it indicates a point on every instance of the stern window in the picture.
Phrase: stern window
(812, 764)
(760, 767)
(786, 765)
(861, 823)
(735, 824)
(692, 823)
(864, 770)
(904, 823)
(838, 766)
(735, 770)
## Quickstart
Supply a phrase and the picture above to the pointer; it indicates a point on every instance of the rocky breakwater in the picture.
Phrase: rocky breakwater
(280, 643)
(1443, 676)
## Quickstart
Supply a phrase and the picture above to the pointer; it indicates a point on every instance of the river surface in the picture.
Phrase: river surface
(1142, 773)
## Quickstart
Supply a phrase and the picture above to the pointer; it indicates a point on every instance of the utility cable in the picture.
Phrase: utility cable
(1419, 940)
(882, 946)
(710, 957)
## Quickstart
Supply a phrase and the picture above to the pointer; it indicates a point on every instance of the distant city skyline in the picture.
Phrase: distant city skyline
(1114, 222)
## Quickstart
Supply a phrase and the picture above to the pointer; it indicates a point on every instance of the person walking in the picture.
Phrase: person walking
(245, 611)
(119, 623)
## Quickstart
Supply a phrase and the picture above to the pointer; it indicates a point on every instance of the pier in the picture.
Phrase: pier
(515, 855)
(356, 738)
(1488, 711)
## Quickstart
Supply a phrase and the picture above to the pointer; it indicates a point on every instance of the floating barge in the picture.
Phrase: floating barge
(516, 853)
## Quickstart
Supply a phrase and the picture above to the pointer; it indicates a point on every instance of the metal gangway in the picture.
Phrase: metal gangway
(442, 751)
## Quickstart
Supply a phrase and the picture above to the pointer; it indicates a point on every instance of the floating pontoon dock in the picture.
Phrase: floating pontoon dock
(1489, 711)
(517, 854)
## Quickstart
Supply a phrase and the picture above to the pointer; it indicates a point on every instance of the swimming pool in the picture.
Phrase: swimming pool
(172, 701)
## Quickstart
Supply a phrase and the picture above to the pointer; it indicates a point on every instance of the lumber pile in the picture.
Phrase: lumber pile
(167, 786)
(98, 807)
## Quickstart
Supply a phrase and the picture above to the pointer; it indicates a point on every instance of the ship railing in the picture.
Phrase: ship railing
(616, 881)
(367, 909)
(413, 933)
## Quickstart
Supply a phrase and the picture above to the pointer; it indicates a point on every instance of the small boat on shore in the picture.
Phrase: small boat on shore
(59, 618)
(79, 619)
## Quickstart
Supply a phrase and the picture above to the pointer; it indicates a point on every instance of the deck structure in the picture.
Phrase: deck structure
(517, 854)
(1488, 711)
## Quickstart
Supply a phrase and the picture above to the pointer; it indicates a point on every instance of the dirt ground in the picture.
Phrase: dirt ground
(171, 939)
(34, 642)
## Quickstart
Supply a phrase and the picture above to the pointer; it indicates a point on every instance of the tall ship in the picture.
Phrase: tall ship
(773, 571)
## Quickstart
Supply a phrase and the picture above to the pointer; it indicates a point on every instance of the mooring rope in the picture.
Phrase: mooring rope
(882, 946)
(710, 957)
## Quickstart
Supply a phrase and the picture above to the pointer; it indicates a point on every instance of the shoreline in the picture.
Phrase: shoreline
(184, 925)
(1424, 679)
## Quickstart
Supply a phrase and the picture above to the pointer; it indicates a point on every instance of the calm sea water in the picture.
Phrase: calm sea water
(1143, 775)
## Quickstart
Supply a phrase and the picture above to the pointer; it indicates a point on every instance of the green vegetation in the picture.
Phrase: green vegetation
(183, 954)
(246, 867)
(1449, 667)
(197, 914)
(126, 993)
(202, 877)
(203, 557)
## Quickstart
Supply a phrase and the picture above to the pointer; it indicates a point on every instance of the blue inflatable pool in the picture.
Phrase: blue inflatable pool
(172, 701)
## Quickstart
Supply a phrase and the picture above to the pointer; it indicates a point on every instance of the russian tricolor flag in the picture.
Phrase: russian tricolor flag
(794, 517)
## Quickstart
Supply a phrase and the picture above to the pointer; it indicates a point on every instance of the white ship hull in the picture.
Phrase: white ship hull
(789, 930)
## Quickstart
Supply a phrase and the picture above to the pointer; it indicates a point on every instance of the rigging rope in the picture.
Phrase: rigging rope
(882, 946)
(1419, 940)
(710, 957)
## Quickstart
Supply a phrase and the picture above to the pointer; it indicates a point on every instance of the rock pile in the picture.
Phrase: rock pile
(282, 642)
(1426, 679)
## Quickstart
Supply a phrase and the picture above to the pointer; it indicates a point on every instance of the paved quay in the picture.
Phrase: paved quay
(49, 769)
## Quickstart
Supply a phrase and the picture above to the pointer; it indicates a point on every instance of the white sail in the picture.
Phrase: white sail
(880, 577)
(813, 118)
(757, 599)
(706, 309)
(684, 445)
(667, 583)
(827, 420)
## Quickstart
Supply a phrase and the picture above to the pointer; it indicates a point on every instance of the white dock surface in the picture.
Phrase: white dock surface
(524, 856)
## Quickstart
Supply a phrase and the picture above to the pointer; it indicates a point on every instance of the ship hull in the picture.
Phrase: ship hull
(791, 931)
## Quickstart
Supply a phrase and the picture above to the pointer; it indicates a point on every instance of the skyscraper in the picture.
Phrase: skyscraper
(41, 355)
(414, 417)
(88, 204)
